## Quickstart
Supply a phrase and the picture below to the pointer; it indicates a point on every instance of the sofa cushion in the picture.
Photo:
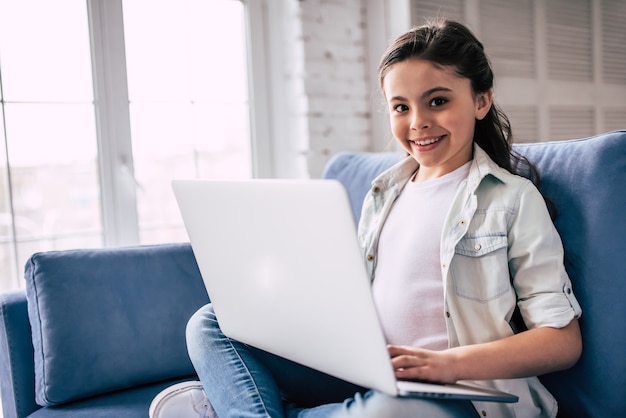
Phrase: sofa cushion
(109, 319)
(586, 180)
(132, 403)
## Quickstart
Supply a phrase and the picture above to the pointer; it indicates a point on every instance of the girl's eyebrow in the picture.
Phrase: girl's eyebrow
(425, 94)
(435, 90)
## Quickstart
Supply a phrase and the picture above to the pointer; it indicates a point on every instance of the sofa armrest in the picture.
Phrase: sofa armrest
(17, 375)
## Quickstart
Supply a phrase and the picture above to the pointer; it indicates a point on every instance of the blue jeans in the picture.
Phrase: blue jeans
(242, 381)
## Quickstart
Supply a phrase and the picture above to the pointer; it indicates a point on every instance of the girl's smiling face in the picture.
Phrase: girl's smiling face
(433, 111)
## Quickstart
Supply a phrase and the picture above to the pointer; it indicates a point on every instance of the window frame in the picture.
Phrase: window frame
(116, 180)
(111, 104)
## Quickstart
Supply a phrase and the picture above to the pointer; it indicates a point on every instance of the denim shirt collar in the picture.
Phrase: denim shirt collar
(400, 174)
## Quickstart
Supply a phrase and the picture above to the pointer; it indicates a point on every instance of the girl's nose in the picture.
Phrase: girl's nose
(419, 121)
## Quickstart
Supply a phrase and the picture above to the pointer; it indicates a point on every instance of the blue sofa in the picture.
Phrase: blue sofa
(98, 333)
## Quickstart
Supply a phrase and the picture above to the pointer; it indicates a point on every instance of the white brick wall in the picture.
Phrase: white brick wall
(331, 67)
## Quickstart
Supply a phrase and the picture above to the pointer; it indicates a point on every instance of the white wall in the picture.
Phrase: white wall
(323, 57)
(319, 83)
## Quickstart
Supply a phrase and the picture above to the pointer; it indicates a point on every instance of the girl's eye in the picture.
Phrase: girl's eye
(400, 108)
(438, 101)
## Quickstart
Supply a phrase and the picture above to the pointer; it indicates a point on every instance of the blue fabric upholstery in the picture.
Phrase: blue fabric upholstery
(108, 325)
(356, 171)
(110, 319)
(586, 181)
(17, 374)
(132, 403)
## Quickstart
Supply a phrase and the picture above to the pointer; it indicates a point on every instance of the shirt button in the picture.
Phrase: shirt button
(376, 189)
(447, 314)
(443, 266)
(484, 413)
(462, 222)
(370, 257)
(477, 247)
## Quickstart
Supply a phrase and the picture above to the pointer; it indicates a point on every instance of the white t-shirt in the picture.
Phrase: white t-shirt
(408, 288)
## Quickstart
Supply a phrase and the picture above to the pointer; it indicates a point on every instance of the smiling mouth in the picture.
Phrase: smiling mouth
(426, 141)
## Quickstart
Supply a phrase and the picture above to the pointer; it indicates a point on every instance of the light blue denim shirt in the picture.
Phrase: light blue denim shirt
(499, 250)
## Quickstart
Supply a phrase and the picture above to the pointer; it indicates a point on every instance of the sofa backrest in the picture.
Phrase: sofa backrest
(109, 319)
(586, 181)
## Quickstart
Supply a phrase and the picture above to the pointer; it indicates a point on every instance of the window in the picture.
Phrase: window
(187, 86)
(102, 106)
(49, 144)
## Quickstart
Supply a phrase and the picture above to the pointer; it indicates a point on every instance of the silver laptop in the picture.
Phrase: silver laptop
(283, 268)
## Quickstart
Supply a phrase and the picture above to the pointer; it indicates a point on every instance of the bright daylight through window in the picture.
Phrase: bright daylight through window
(185, 97)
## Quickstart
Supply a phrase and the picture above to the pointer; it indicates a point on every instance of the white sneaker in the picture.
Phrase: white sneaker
(182, 400)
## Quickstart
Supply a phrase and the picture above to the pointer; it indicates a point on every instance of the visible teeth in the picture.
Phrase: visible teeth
(428, 141)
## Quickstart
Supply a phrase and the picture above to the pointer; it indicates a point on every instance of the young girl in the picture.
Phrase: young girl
(455, 243)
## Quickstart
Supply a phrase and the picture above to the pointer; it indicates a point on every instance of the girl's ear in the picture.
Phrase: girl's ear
(483, 103)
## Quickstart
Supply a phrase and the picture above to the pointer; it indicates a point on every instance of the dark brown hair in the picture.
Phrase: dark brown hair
(451, 44)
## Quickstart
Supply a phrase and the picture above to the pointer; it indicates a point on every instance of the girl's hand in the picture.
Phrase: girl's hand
(529, 353)
(413, 363)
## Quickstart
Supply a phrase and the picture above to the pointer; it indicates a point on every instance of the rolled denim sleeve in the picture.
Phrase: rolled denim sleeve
(544, 290)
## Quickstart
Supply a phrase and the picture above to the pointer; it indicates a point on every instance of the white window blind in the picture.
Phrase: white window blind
(560, 65)
(614, 119)
(614, 42)
(567, 122)
(449, 9)
(507, 31)
(524, 119)
(569, 40)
